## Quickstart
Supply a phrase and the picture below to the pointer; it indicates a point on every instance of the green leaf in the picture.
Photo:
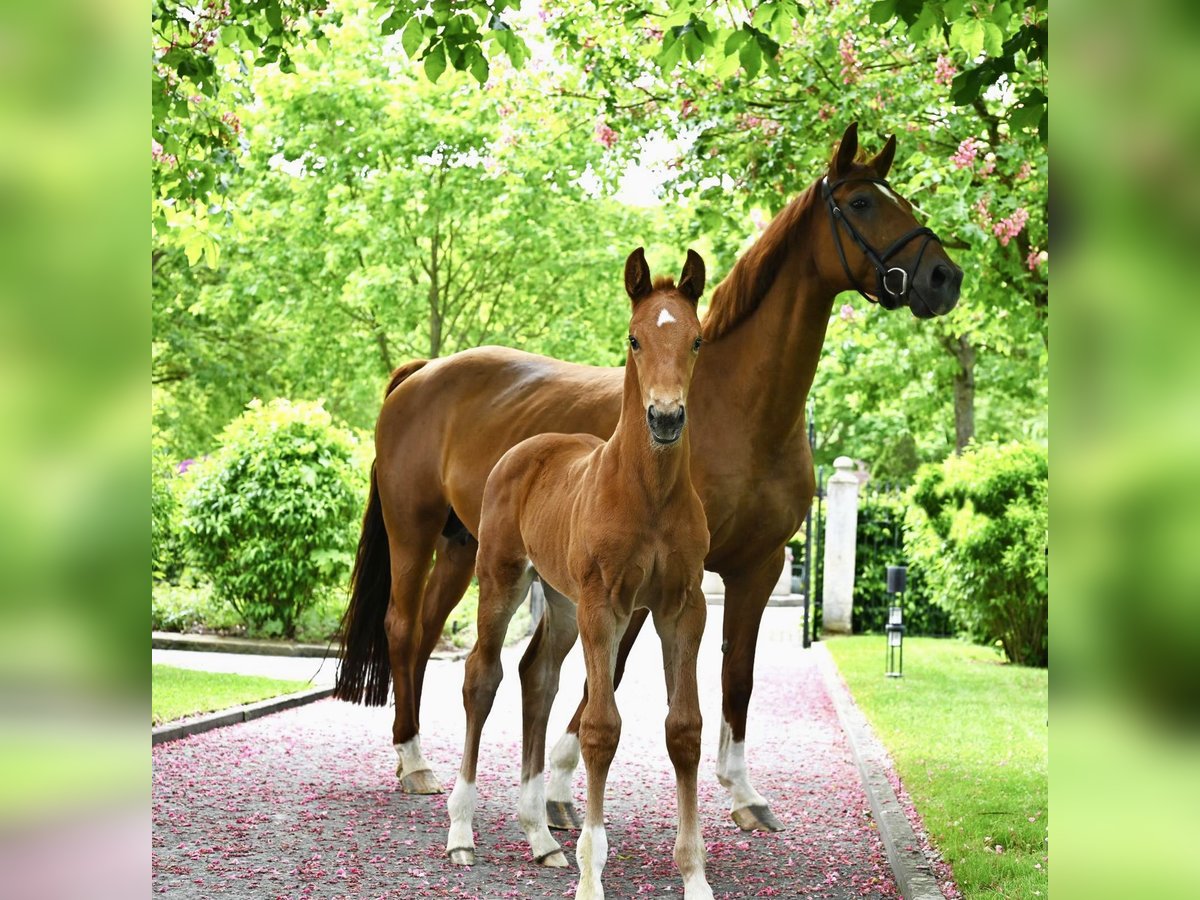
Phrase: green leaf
(194, 249)
(435, 62)
(274, 16)
(669, 57)
(763, 15)
(968, 34)
(993, 38)
(413, 37)
(883, 11)
(479, 67)
(751, 57)
(693, 46)
(735, 40)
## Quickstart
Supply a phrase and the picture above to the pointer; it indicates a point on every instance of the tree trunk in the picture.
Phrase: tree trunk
(435, 311)
(963, 351)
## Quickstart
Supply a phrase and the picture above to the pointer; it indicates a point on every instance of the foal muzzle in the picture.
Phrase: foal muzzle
(665, 427)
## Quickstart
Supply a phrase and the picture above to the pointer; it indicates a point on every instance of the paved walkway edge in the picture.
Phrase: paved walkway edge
(914, 875)
(173, 731)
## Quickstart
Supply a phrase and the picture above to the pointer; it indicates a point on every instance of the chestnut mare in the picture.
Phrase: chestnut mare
(616, 526)
(444, 423)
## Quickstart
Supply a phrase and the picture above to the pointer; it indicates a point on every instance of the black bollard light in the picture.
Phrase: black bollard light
(897, 581)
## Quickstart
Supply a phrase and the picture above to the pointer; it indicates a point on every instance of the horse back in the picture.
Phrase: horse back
(441, 430)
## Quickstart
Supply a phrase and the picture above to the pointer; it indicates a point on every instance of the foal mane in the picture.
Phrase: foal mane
(740, 292)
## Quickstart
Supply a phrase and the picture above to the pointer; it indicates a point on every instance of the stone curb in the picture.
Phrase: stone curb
(215, 643)
(914, 875)
(173, 731)
(774, 601)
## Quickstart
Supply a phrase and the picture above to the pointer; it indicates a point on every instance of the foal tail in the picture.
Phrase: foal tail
(365, 672)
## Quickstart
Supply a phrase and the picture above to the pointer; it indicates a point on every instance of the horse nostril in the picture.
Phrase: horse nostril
(939, 276)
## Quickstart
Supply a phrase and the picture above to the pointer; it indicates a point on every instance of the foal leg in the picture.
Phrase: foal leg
(680, 635)
(746, 595)
(540, 668)
(501, 589)
(564, 758)
(599, 732)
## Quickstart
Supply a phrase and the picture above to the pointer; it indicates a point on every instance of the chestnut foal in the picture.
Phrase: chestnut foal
(618, 526)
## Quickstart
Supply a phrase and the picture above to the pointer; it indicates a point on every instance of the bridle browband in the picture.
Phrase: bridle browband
(879, 260)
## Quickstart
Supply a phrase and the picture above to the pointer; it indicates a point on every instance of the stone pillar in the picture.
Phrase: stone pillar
(841, 533)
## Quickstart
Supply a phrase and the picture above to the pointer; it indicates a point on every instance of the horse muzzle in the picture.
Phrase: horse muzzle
(665, 427)
(935, 290)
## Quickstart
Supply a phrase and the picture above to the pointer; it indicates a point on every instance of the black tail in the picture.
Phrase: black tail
(365, 672)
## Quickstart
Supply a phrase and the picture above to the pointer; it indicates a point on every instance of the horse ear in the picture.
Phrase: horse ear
(883, 161)
(637, 275)
(691, 282)
(847, 149)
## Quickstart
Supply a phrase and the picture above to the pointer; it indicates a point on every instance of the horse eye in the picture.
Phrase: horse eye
(859, 203)
(633, 342)
(696, 344)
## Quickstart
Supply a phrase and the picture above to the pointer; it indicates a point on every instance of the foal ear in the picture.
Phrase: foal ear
(883, 161)
(847, 149)
(691, 282)
(637, 275)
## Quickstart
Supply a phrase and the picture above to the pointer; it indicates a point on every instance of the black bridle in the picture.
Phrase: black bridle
(883, 272)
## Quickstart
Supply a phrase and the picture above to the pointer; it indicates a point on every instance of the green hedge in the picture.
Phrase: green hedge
(979, 528)
(271, 518)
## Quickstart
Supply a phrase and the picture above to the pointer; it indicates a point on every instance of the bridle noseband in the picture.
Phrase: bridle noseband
(879, 260)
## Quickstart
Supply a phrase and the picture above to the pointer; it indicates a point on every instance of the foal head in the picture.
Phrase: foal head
(886, 254)
(664, 338)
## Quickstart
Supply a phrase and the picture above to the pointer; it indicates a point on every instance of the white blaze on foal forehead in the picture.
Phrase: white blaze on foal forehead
(664, 316)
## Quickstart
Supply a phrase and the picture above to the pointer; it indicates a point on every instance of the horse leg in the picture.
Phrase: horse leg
(599, 732)
(540, 668)
(746, 595)
(410, 550)
(501, 590)
(680, 635)
(564, 757)
(452, 570)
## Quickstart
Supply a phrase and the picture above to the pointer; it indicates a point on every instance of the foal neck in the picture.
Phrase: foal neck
(653, 471)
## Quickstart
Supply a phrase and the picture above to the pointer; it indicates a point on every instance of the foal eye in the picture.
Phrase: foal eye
(696, 344)
(859, 203)
(633, 342)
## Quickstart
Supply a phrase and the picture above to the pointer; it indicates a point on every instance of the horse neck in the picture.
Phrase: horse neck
(759, 372)
(655, 473)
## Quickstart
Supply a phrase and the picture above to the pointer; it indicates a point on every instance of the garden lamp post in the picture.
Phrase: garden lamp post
(897, 579)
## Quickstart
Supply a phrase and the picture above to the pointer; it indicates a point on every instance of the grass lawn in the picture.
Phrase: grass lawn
(184, 692)
(968, 736)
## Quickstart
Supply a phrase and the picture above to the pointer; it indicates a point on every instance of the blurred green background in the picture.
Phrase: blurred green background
(1125, 572)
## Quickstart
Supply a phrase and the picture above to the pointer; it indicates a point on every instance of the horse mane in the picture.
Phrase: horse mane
(740, 292)
(664, 283)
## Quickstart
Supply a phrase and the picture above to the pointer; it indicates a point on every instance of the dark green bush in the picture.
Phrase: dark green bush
(979, 528)
(272, 517)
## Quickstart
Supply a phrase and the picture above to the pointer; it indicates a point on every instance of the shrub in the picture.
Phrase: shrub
(166, 550)
(272, 517)
(979, 526)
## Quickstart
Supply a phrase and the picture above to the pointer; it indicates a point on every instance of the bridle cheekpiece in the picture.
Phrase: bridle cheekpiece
(885, 275)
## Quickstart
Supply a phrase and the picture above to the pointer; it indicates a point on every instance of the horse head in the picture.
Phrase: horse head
(884, 252)
(664, 339)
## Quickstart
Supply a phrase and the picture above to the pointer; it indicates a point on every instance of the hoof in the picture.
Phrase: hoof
(462, 856)
(420, 782)
(555, 859)
(756, 818)
(562, 816)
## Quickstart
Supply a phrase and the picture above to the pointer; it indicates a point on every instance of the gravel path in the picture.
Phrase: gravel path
(305, 803)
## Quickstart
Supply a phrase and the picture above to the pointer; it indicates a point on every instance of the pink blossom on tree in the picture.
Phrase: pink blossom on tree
(850, 63)
(964, 157)
(604, 135)
(1026, 170)
(944, 71)
(1010, 226)
(989, 165)
(1035, 258)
